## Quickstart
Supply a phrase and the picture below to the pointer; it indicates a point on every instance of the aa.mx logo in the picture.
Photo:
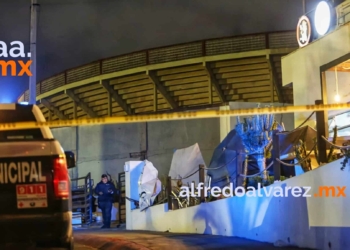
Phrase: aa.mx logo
(16, 50)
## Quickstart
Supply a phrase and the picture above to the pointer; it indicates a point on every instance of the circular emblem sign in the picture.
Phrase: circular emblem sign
(322, 18)
(303, 31)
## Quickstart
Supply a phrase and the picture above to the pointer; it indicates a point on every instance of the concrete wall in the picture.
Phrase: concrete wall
(302, 67)
(309, 222)
(106, 148)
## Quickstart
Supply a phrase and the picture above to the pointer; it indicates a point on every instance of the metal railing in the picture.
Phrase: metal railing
(82, 198)
(218, 46)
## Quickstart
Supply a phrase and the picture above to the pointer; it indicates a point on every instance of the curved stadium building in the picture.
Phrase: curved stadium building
(194, 75)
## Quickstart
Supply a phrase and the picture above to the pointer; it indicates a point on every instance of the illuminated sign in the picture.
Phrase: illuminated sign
(17, 50)
(322, 18)
(303, 31)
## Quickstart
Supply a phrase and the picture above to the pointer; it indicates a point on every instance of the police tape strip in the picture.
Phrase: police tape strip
(173, 116)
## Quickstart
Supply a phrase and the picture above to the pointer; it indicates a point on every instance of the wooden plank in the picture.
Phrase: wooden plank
(134, 89)
(130, 78)
(99, 102)
(87, 88)
(132, 84)
(101, 107)
(82, 115)
(62, 102)
(243, 73)
(145, 98)
(190, 91)
(256, 95)
(245, 79)
(67, 106)
(188, 86)
(195, 102)
(138, 94)
(241, 68)
(145, 109)
(179, 70)
(58, 97)
(237, 62)
(251, 90)
(142, 104)
(73, 111)
(79, 114)
(139, 99)
(92, 93)
(190, 97)
(183, 75)
(273, 80)
(163, 106)
(245, 85)
(95, 98)
(186, 80)
(120, 113)
(70, 111)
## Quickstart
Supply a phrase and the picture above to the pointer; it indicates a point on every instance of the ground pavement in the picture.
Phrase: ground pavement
(119, 238)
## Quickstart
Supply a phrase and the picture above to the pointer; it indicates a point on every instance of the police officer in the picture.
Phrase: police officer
(105, 190)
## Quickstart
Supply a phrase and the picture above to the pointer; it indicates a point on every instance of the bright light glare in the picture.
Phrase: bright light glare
(337, 98)
(322, 18)
(24, 103)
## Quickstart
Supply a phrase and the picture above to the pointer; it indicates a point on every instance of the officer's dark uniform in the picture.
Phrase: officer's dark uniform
(105, 200)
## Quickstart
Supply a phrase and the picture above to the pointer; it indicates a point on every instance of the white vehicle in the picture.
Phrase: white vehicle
(35, 197)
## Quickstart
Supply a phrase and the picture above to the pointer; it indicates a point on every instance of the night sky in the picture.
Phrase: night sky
(75, 32)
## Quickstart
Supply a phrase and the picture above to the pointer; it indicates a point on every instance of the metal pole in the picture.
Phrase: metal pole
(304, 7)
(33, 26)
(321, 131)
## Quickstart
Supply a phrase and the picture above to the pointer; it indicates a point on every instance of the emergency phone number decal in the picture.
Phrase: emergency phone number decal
(31, 196)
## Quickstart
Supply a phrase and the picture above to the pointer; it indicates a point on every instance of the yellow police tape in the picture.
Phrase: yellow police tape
(173, 116)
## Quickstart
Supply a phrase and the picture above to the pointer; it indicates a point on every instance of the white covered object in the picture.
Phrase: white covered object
(185, 162)
(149, 185)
